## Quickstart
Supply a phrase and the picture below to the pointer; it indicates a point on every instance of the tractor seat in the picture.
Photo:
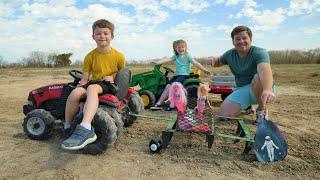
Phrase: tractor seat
(107, 99)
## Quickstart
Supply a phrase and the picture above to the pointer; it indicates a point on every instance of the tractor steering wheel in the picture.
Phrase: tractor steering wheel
(76, 75)
(168, 70)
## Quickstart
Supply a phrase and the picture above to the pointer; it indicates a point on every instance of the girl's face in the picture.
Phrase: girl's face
(242, 42)
(181, 49)
(102, 36)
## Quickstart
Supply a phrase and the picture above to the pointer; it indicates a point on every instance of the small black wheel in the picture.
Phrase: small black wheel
(155, 146)
(38, 124)
(148, 98)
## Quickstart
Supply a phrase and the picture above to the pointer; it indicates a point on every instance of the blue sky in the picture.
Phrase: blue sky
(145, 29)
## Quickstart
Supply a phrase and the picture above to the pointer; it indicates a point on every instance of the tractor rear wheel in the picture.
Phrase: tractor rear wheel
(148, 98)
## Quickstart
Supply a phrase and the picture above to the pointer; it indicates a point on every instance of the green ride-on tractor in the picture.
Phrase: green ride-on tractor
(152, 83)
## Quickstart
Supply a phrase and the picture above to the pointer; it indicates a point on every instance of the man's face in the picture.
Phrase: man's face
(102, 36)
(242, 42)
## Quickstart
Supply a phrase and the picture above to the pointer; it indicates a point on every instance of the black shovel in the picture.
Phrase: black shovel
(270, 144)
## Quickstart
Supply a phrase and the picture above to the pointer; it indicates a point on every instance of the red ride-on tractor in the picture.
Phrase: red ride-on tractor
(222, 84)
(46, 104)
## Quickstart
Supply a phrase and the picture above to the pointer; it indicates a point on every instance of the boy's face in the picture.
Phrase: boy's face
(102, 36)
(242, 41)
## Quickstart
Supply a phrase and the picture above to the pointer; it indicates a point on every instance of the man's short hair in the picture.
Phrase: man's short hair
(103, 23)
(239, 29)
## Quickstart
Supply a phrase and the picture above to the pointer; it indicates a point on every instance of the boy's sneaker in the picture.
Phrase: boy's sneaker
(156, 107)
(79, 139)
(66, 132)
(169, 109)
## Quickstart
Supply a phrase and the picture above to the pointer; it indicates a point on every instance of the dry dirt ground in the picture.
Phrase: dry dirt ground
(296, 112)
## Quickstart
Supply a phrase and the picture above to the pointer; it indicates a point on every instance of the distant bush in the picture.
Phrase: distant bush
(295, 57)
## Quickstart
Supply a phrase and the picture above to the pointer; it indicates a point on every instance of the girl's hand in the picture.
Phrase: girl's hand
(207, 72)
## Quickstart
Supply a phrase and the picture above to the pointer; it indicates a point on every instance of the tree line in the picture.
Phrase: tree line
(42, 59)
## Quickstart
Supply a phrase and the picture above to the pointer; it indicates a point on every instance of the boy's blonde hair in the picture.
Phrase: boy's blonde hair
(103, 23)
(176, 43)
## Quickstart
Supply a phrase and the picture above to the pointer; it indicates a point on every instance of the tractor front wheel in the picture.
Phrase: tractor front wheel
(148, 98)
(38, 124)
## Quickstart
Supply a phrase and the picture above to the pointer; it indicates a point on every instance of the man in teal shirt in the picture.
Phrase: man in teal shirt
(251, 68)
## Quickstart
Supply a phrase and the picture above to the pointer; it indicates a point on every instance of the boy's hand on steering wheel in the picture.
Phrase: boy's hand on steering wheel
(108, 79)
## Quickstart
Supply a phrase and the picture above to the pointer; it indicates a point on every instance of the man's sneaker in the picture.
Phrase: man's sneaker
(79, 139)
(260, 114)
(169, 109)
(156, 107)
(249, 110)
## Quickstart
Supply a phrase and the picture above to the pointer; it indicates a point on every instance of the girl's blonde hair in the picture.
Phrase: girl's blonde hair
(176, 43)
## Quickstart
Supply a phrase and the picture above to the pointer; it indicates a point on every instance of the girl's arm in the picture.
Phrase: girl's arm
(160, 61)
(198, 65)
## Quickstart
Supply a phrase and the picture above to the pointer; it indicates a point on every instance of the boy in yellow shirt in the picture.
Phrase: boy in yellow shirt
(102, 63)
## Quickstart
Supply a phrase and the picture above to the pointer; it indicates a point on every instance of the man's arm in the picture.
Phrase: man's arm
(215, 61)
(266, 79)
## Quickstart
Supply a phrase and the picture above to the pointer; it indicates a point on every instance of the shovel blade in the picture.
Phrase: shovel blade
(270, 144)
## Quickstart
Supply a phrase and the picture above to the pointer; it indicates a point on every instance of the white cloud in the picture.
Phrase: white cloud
(301, 7)
(147, 12)
(228, 2)
(192, 6)
(188, 29)
(311, 30)
(262, 19)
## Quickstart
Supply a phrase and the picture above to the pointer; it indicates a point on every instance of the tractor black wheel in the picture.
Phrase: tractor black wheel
(117, 119)
(192, 95)
(155, 146)
(106, 131)
(148, 98)
(38, 124)
(136, 104)
(126, 118)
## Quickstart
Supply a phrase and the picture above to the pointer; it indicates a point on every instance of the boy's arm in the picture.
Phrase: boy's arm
(198, 65)
(160, 61)
(84, 78)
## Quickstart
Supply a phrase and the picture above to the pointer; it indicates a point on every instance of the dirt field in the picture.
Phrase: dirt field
(296, 112)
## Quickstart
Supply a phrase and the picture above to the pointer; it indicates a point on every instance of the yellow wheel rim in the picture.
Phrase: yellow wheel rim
(145, 99)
